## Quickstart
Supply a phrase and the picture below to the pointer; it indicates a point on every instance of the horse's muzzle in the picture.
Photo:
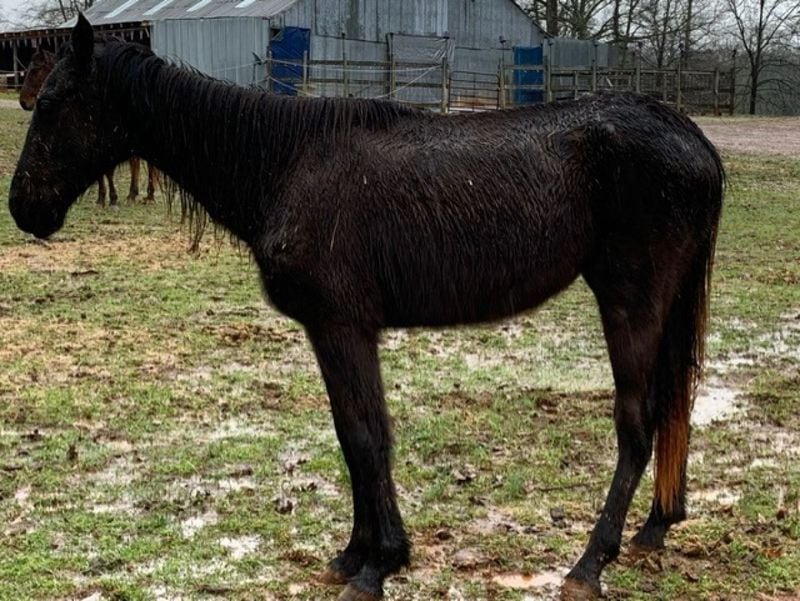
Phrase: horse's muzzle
(38, 217)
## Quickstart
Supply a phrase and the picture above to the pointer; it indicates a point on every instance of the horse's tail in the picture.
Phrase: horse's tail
(682, 349)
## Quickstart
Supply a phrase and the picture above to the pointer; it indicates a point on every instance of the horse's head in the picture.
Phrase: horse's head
(74, 137)
(42, 62)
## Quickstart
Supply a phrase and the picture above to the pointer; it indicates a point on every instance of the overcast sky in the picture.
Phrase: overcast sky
(10, 9)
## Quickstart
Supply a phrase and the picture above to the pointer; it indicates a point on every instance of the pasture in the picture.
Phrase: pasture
(164, 434)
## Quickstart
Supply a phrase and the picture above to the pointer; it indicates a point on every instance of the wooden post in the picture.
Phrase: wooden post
(392, 78)
(390, 63)
(716, 92)
(16, 61)
(501, 87)
(269, 70)
(575, 84)
(345, 82)
(445, 99)
(594, 75)
(733, 83)
(678, 97)
(548, 68)
(305, 73)
(637, 78)
(664, 84)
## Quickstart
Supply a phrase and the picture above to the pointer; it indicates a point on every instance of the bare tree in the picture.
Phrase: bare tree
(54, 12)
(543, 11)
(760, 27)
(581, 19)
(585, 19)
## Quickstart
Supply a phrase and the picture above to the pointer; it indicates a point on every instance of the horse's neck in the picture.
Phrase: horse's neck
(189, 134)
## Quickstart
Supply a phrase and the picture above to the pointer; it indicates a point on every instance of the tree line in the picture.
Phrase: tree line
(695, 34)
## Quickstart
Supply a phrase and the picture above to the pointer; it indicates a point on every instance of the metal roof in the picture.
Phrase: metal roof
(135, 11)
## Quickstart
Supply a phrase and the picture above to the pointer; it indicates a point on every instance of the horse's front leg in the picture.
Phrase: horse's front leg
(348, 359)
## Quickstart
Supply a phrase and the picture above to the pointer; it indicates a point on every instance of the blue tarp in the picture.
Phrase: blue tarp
(288, 46)
(522, 77)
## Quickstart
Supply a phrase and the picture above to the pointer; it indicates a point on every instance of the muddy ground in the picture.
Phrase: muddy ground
(164, 433)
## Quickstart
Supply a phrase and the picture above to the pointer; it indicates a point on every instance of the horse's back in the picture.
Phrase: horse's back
(446, 220)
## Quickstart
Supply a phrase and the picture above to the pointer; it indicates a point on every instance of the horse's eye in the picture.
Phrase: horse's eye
(45, 104)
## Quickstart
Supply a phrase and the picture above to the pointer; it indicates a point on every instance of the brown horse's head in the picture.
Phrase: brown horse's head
(74, 137)
(42, 62)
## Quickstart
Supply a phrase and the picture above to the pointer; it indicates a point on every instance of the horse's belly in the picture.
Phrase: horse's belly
(474, 296)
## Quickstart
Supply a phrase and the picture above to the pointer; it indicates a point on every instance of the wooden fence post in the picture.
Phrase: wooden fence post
(548, 72)
(678, 98)
(445, 95)
(345, 82)
(305, 73)
(501, 88)
(16, 62)
(269, 70)
(733, 83)
(716, 92)
(637, 78)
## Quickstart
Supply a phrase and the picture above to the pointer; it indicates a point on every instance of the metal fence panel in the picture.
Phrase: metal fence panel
(222, 48)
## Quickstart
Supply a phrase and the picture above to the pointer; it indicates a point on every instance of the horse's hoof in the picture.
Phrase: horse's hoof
(351, 593)
(637, 550)
(149, 200)
(333, 577)
(131, 199)
(578, 590)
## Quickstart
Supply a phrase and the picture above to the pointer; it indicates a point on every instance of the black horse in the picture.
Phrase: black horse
(363, 215)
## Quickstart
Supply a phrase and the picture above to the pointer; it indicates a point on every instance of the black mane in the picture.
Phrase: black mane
(269, 130)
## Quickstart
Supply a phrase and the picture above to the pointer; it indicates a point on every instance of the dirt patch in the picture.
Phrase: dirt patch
(776, 136)
(74, 256)
(9, 104)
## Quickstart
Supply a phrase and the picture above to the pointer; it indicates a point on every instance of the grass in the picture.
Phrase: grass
(164, 433)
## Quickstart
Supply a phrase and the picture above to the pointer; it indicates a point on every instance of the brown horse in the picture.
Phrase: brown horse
(364, 215)
(40, 66)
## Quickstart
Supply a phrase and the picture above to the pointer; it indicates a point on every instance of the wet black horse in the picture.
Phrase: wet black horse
(364, 215)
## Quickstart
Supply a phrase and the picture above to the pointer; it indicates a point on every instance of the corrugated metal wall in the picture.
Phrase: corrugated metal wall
(471, 24)
(579, 53)
(222, 48)
(471, 29)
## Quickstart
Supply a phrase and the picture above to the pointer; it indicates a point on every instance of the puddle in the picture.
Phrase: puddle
(195, 524)
(162, 593)
(552, 578)
(719, 496)
(22, 497)
(241, 546)
(236, 428)
(123, 506)
(228, 485)
(714, 402)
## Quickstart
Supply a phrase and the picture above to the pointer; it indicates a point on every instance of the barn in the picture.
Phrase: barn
(423, 51)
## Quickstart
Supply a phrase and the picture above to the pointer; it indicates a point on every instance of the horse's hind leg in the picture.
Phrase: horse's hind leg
(676, 374)
(633, 323)
(112, 190)
(152, 177)
(101, 191)
(348, 359)
(133, 192)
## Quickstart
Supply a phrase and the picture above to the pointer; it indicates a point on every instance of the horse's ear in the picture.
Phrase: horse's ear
(83, 40)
